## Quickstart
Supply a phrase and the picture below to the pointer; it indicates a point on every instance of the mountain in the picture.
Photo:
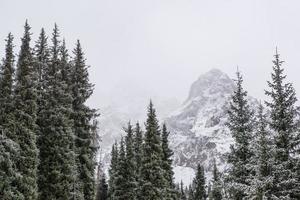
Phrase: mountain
(198, 130)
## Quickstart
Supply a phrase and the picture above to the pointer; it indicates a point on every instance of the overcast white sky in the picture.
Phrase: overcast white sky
(164, 45)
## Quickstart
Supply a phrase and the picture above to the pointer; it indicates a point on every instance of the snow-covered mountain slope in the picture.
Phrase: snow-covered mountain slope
(198, 130)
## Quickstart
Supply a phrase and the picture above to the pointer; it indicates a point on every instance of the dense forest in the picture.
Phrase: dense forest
(49, 139)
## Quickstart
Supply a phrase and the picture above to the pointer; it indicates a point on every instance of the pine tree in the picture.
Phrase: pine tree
(25, 114)
(138, 151)
(9, 149)
(113, 171)
(262, 160)
(82, 116)
(56, 141)
(199, 191)
(131, 185)
(151, 170)
(216, 192)
(240, 124)
(283, 124)
(167, 165)
(102, 187)
(120, 182)
(182, 192)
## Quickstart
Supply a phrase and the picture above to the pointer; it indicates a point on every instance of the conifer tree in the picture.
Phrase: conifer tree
(25, 114)
(261, 182)
(138, 153)
(216, 192)
(120, 182)
(113, 171)
(151, 170)
(9, 149)
(283, 124)
(130, 192)
(57, 157)
(82, 89)
(167, 165)
(199, 191)
(240, 124)
(182, 192)
(102, 187)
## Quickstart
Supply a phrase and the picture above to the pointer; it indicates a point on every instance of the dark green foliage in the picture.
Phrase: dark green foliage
(167, 165)
(57, 158)
(82, 115)
(25, 115)
(138, 151)
(240, 124)
(216, 191)
(198, 185)
(8, 147)
(120, 175)
(113, 171)
(130, 167)
(151, 170)
(182, 192)
(283, 124)
(102, 186)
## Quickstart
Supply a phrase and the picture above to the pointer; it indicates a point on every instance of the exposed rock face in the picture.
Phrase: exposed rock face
(198, 131)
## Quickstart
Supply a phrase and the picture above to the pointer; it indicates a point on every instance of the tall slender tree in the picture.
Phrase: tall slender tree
(240, 124)
(25, 104)
(167, 162)
(199, 192)
(56, 169)
(216, 192)
(121, 174)
(138, 153)
(9, 149)
(113, 170)
(82, 116)
(130, 192)
(151, 171)
(283, 124)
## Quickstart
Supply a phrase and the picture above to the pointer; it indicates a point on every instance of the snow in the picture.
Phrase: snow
(184, 174)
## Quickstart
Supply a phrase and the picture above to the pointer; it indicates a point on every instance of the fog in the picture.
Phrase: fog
(158, 48)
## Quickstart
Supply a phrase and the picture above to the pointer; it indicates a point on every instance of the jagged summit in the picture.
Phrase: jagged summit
(213, 82)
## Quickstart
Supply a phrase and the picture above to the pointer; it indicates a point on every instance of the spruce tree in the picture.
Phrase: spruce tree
(182, 192)
(120, 182)
(131, 185)
(167, 165)
(102, 187)
(261, 182)
(25, 104)
(153, 186)
(199, 191)
(138, 153)
(216, 192)
(240, 124)
(57, 158)
(113, 170)
(82, 89)
(283, 125)
(9, 149)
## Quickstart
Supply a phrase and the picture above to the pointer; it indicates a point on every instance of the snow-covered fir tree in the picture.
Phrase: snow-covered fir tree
(138, 153)
(56, 141)
(153, 186)
(283, 125)
(240, 124)
(102, 186)
(130, 192)
(197, 190)
(216, 191)
(82, 117)
(25, 104)
(9, 149)
(167, 161)
(113, 171)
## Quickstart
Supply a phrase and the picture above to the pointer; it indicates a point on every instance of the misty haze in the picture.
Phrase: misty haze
(149, 100)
